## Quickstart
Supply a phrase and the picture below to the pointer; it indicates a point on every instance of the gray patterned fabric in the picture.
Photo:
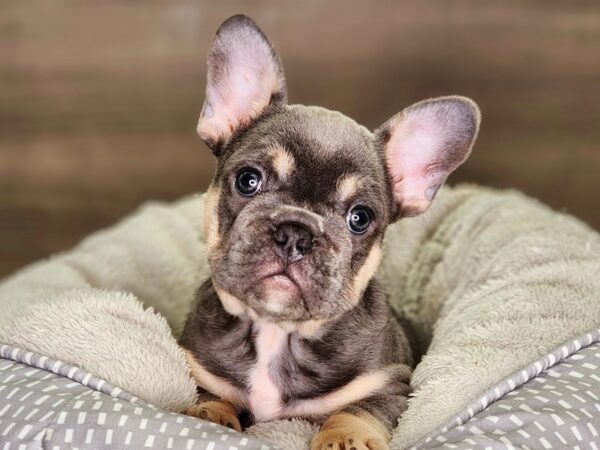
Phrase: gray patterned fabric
(51, 405)
(554, 403)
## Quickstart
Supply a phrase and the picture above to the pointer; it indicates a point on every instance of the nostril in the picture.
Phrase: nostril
(292, 241)
(280, 236)
(304, 245)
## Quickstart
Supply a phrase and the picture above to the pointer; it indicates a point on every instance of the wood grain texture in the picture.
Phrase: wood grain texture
(99, 100)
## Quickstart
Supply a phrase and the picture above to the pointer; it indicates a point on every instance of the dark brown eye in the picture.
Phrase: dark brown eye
(248, 182)
(358, 219)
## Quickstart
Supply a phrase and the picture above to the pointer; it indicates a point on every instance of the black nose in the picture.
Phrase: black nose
(292, 240)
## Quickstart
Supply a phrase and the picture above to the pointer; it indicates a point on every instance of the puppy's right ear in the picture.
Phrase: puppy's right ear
(244, 77)
(423, 144)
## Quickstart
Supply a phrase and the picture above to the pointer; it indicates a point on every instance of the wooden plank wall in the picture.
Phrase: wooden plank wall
(99, 100)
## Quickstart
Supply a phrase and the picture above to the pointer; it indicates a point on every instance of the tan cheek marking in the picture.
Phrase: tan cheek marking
(310, 327)
(366, 272)
(283, 162)
(348, 186)
(306, 328)
(212, 383)
(231, 304)
(357, 389)
(211, 219)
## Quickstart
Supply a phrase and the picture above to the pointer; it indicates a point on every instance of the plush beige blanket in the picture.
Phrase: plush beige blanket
(492, 279)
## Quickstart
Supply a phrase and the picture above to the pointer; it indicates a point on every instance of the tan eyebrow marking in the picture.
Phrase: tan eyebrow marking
(348, 186)
(283, 161)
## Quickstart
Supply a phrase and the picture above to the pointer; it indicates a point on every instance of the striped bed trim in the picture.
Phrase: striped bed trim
(68, 371)
(510, 383)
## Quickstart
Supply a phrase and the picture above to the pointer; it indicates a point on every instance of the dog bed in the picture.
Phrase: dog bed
(503, 292)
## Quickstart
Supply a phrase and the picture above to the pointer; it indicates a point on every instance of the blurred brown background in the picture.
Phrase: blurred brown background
(99, 100)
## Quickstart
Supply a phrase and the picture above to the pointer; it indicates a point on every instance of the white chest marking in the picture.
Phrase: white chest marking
(265, 397)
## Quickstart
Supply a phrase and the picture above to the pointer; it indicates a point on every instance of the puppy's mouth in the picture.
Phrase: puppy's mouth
(281, 280)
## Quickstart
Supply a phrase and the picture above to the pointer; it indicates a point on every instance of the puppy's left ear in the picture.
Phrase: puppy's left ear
(244, 77)
(423, 144)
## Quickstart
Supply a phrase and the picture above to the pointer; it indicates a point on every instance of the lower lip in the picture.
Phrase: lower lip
(281, 282)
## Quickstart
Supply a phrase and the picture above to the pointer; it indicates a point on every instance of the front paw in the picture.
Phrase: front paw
(346, 431)
(217, 411)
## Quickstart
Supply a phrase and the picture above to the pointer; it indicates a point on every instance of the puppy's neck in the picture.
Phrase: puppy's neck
(306, 328)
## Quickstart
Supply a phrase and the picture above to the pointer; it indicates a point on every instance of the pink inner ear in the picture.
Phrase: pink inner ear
(242, 76)
(428, 141)
(415, 144)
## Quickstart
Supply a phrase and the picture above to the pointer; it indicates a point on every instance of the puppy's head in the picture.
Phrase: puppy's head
(297, 210)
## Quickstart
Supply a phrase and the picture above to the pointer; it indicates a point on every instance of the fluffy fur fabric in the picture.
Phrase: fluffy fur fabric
(491, 279)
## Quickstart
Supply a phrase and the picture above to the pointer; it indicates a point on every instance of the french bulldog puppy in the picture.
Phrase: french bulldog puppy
(292, 322)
